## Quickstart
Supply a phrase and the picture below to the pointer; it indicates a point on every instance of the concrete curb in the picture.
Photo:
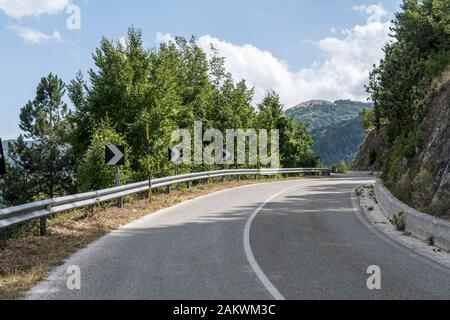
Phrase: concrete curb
(421, 225)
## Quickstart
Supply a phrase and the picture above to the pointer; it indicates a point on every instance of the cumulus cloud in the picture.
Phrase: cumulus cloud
(23, 8)
(35, 36)
(375, 12)
(342, 74)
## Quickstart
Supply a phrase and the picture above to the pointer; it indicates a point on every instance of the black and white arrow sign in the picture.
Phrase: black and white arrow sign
(226, 155)
(2, 160)
(175, 155)
(115, 155)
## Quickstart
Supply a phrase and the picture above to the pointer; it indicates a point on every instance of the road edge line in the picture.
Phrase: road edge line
(249, 252)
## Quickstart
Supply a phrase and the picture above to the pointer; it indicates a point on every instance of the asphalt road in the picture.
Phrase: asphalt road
(286, 240)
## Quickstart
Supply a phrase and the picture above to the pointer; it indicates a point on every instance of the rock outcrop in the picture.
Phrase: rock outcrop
(431, 183)
(424, 180)
(371, 151)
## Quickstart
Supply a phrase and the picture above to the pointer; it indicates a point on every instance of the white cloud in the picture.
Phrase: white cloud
(123, 41)
(35, 36)
(23, 8)
(163, 37)
(342, 74)
(375, 11)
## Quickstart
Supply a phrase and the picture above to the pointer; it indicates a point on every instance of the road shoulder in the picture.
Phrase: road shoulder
(370, 213)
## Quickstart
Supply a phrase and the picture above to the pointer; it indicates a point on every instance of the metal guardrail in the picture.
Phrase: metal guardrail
(42, 209)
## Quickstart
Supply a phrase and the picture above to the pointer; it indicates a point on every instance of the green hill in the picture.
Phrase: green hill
(334, 126)
(339, 142)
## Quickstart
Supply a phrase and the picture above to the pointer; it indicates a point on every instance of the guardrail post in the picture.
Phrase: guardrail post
(42, 226)
(88, 211)
(239, 178)
(188, 184)
(168, 189)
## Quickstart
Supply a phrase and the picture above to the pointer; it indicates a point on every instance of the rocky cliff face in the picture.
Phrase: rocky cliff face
(424, 180)
(371, 151)
(431, 181)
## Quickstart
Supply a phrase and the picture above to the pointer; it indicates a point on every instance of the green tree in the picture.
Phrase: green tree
(419, 53)
(367, 117)
(42, 167)
(80, 119)
(16, 186)
(93, 173)
(403, 81)
(295, 141)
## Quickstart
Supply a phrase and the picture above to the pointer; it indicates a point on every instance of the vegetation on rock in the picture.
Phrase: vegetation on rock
(411, 110)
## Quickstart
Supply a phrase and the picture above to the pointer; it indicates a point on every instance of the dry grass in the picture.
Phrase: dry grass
(28, 258)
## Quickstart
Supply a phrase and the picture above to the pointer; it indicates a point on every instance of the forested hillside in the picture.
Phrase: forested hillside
(130, 87)
(339, 142)
(336, 127)
(410, 89)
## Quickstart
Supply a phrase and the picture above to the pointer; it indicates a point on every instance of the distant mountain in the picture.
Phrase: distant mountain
(5, 146)
(334, 126)
(339, 142)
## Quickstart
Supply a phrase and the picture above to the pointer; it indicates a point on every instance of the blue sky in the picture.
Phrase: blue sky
(305, 49)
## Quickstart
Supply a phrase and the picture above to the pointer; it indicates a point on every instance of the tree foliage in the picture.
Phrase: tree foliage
(419, 51)
(295, 142)
(402, 85)
(367, 117)
(130, 87)
(43, 168)
(92, 172)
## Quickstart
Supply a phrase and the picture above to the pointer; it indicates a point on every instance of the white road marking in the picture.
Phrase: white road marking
(249, 253)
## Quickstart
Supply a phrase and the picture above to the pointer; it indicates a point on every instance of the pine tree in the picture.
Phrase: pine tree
(42, 166)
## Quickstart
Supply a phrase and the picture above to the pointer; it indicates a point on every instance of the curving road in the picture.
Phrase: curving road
(286, 240)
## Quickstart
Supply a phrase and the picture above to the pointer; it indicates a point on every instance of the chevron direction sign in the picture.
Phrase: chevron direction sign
(226, 155)
(115, 155)
(2, 160)
(175, 155)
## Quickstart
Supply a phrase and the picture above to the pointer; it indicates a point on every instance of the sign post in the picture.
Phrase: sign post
(176, 157)
(2, 160)
(149, 164)
(226, 156)
(2, 172)
(115, 157)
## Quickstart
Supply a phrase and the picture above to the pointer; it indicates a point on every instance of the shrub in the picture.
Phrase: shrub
(399, 221)
(93, 174)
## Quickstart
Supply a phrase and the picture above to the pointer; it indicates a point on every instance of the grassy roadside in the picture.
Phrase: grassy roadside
(28, 258)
